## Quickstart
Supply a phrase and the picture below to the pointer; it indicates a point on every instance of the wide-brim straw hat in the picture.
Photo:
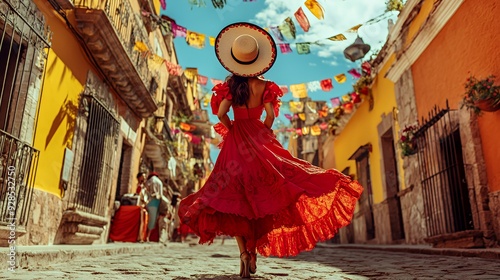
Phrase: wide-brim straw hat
(245, 49)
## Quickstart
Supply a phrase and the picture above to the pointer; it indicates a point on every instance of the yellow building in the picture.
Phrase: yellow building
(364, 147)
(86, 105)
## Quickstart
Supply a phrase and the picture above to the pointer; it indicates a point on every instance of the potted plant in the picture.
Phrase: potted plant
(407, 141)
(481, 95)
(363, 84)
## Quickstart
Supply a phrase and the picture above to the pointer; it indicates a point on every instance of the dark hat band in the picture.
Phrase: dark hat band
(244, 62)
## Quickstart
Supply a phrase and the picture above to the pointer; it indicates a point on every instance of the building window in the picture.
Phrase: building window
(362, 158)
(95, 145)
(22, 63)
(442, 171)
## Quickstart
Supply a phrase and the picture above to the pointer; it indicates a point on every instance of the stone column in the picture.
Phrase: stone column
(412, 205)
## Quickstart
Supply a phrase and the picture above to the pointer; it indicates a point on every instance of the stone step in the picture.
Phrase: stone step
(35, 256)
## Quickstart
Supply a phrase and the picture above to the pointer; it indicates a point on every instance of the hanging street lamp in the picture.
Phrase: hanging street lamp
(356, 50)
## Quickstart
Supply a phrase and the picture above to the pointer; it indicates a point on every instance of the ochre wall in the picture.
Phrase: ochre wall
(468, 44)
(66, 71)
(362, 129)
(423, 14)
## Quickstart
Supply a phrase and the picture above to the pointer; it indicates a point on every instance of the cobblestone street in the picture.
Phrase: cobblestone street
(192, 261)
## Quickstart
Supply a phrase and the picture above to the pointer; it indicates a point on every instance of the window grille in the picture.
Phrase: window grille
(94, 159)
(24, 36)
(444, 185)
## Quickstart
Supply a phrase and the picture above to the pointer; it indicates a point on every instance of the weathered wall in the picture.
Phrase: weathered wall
(467, 44)
(411, 197)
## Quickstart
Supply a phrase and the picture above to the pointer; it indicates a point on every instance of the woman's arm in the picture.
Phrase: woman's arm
(222, 114)
(269, 115)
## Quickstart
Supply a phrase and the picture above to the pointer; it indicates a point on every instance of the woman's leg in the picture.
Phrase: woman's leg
(242, 245)
(143, 225)
(244, 257)
(251, 247)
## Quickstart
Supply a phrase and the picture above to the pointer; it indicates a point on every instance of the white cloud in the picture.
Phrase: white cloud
(330, 62)
(312, 64)
(339, 17)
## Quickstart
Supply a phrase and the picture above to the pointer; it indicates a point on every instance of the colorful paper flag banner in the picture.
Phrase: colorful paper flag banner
(303, 48)
(366, 68)
(194, 39)
(315, 8)
(296, 106)
(284, 89)
(216, 81)
(326, 84)
(313, 86)
(355, 98)
(338, 37)
(285, 48)
(277, 34)
(299, 90)
(177, 30)
(202, 80)
(340, 78)
(335, 101)
(301, 18)
(354, 29)
(355, 74)
(287, 28)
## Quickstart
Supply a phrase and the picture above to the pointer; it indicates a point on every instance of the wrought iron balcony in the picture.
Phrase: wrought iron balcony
(111, 29)
(18, 163)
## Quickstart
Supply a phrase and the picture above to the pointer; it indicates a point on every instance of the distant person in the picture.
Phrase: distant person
(270, 201)
(142, 202)
(141, 178)
(154, 189)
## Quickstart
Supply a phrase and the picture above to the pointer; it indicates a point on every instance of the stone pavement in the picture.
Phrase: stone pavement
(488, 253)
(191, 261)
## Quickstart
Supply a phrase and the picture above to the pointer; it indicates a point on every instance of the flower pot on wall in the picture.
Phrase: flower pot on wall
(409, 148)
(487, 105)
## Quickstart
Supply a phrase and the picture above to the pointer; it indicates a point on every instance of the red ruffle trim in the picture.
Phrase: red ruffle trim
(285, 233)
(272, 92)
(222, 130)
(221, 92)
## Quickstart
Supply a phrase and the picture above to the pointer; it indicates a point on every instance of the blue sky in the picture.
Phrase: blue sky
(323, 62)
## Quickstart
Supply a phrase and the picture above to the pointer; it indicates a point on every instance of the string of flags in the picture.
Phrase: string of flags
(283, 32)
(297, 90)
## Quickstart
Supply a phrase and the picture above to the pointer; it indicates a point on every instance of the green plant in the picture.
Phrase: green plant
(481, 91)
(363, 84)
(394, 5)
(407, 141)
(181, 118)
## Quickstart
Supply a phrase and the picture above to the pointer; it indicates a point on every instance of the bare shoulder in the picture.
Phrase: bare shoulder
(258, 83)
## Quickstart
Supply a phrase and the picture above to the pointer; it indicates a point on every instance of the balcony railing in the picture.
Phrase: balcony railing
(111, 29)
(18, 163)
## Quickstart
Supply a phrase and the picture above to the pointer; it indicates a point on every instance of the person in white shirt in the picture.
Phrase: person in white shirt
(154, 189)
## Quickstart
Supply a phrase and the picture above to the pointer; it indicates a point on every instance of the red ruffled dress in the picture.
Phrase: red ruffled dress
(281, 204)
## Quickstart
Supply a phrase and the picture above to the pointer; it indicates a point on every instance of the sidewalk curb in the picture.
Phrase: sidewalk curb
(34, 256)
(474, 253)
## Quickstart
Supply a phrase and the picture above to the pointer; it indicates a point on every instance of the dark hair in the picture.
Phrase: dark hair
(152, 174)
(140, 174)
(238, 87)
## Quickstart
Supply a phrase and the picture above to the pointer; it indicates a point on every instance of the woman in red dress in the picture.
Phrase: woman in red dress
(270, 201)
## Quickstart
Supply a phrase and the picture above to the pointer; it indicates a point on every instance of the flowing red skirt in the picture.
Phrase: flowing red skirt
(258, 190)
